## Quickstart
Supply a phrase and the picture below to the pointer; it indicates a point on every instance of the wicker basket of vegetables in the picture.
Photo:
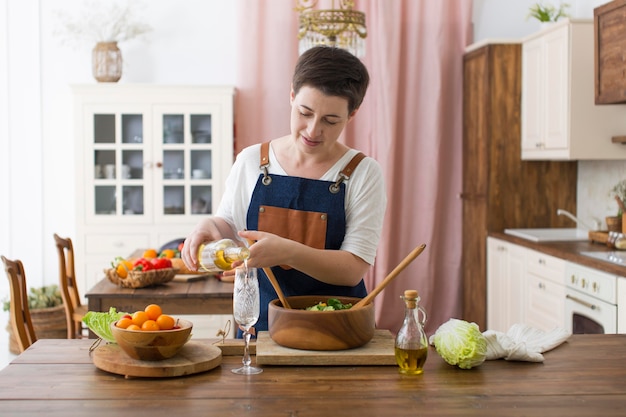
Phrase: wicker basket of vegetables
(142, 272)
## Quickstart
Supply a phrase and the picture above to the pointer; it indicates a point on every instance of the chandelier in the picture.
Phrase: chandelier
(340, 27)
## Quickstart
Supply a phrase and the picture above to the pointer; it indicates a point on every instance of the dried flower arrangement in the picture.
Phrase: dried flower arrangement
(102, 21)
(619, 192)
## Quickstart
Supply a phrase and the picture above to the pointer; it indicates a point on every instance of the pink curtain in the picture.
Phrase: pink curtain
(410, 122)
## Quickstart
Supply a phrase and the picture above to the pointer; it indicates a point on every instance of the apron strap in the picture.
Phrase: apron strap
(265, 162)
(344, 175)
(346, 172)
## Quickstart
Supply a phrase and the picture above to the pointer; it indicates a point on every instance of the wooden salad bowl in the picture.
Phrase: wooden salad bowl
(298, 328)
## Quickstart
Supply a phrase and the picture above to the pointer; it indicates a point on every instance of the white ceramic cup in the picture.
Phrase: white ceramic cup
(109, 171)
(198, 173)
(125, 171)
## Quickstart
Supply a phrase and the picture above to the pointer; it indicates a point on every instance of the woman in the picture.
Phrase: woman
(313, 206)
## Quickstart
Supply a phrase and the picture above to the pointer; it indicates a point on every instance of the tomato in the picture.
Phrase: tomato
(161, 263)
(165, 322)
(180, 246)
(150, 325)
(139, 317)
(142, 264)
(122, 266)
(169, 253)
(124, 322)
(153, 311)
(150, 253)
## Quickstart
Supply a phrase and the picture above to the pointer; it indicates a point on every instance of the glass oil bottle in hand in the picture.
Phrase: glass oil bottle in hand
(411, 344)
(218, 256)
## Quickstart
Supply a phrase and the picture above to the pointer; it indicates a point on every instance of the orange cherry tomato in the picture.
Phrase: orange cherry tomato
(150, 253)
(150, 325)
(153, 311)
(139, 317)
(165, 322)
(124, 322)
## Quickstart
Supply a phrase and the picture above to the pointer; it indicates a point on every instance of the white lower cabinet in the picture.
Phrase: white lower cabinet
(505, 284)
(545, 291)
(621, 305)
(523, 286)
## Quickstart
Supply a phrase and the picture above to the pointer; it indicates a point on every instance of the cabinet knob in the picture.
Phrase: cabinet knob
(542, 285)
(159, 164)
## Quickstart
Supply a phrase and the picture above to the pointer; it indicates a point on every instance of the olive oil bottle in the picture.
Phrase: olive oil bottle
(218, 256)
(411, 346)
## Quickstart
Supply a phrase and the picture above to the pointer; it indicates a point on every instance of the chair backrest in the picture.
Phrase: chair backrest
(21, 323)
(67, 275)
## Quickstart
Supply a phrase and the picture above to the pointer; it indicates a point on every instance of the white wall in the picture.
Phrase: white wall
(193, 43)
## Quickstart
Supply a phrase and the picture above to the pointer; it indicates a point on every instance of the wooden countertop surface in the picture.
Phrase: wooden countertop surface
(585, 376)
(570, 251)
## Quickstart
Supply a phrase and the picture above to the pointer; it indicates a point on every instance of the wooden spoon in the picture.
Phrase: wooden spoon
(405, 262)
(274, 282)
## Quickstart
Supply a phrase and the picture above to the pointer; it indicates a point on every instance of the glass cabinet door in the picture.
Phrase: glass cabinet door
(117, 151)
(185, 154)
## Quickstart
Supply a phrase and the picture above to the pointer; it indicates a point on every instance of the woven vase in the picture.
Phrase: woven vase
(614, 224)
(107, 62)
(49, 323)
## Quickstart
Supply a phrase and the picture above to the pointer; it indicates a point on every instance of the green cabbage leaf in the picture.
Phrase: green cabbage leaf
(460, 343)
(100, 323)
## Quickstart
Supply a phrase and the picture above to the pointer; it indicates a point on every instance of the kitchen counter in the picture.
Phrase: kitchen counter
(582, 377)
(570, 251)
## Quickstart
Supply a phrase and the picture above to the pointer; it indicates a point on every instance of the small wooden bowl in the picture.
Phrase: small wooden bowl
(152, 345)
(320, 330)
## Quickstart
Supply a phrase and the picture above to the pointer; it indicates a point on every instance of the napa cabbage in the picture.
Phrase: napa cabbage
(100, 323)
(460, 343)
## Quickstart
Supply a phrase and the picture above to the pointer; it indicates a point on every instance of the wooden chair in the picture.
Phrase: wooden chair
(20, 320)
(74, 310)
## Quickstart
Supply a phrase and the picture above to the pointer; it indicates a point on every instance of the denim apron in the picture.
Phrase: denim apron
(309, 211)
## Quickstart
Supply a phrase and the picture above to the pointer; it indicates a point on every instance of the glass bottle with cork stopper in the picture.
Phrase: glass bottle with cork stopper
(411, 345)
(219, 256)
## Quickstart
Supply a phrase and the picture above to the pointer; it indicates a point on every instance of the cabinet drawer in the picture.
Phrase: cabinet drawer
(610, 52)
(545, 266)
(117, 245)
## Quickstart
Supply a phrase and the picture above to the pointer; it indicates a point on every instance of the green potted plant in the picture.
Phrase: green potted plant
(545, 12)
(47, 314)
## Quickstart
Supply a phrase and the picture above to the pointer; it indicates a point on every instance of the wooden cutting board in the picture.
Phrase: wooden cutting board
(379, 351)
(193, 358)
(190, 277)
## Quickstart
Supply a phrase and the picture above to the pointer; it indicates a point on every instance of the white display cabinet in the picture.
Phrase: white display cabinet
(151, 161)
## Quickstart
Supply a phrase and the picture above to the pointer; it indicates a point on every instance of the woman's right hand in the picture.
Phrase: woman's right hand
(205, 231)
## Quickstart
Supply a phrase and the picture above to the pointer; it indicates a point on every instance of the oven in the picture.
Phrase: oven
(590, 300)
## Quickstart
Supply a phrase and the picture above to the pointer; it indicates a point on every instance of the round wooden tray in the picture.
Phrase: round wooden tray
(193, 358)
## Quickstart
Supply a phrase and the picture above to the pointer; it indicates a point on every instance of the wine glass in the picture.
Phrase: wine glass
(246, 308)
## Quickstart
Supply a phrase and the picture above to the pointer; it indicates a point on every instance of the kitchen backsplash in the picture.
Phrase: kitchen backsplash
(595, 181)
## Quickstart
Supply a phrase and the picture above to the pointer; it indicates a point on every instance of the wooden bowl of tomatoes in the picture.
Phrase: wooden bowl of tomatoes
(153, 345)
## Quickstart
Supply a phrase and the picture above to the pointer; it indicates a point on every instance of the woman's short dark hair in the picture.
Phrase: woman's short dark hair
(333, 71)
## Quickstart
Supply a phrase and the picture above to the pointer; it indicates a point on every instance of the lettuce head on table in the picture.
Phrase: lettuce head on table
(100, 323)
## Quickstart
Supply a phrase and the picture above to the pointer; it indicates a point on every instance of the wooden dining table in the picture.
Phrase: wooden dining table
(585, 376)
(206, 296)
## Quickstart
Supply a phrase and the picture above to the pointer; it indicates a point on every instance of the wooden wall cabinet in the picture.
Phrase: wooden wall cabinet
(610, 52)
(499, 189)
